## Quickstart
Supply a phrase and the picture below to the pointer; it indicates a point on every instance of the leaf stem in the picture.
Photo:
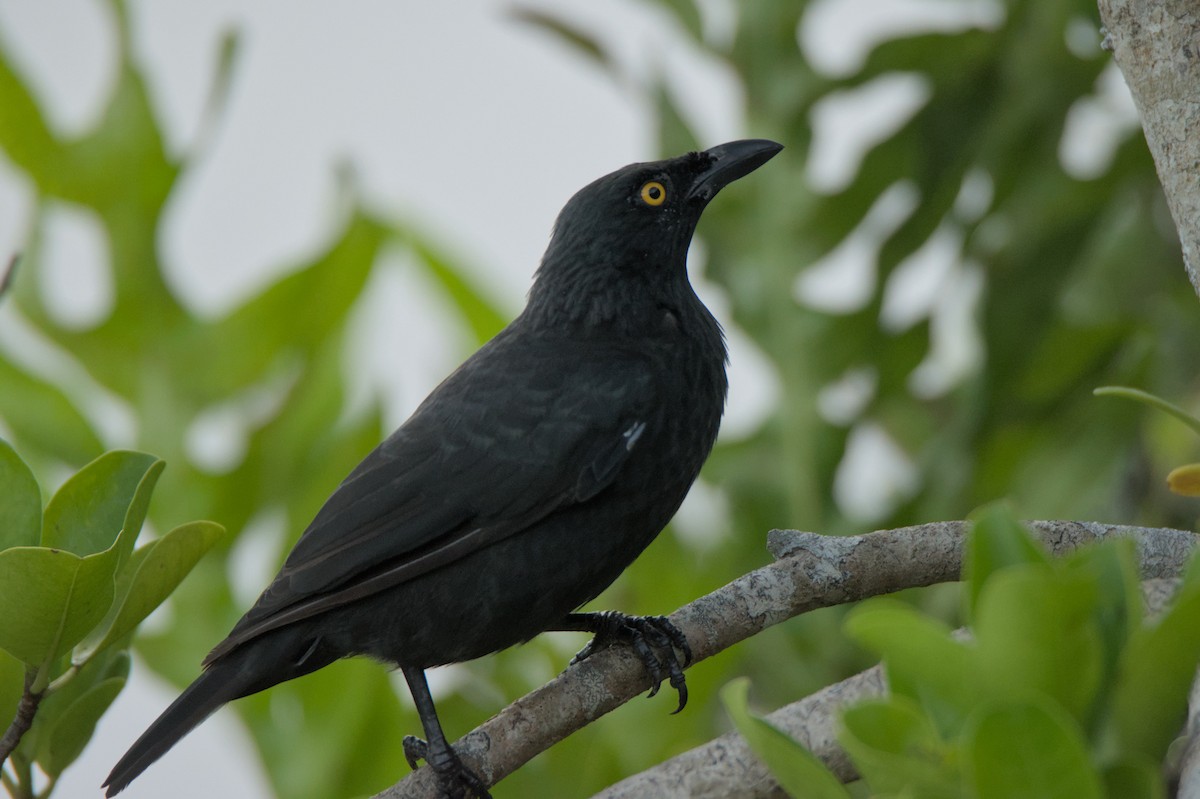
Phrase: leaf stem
(1151, 400)
(66, 676)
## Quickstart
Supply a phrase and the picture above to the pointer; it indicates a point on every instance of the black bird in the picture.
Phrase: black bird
(522, 486)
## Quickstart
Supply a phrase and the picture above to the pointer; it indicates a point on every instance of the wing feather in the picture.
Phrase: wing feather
(490, 452)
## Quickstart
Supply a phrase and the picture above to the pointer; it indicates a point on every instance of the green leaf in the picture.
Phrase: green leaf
(73, 730)
(52, 599)
(1151, 400)
(675, 133)
(12, 685)
(156, 569)
(350, 710)
(1117, 609)
(484, 318)
(24, 135)
(1015, 751)
(996, 541)
(799, 772)
(896, 749)
(20, 501)
(571, 35)
(1134, 778)
(66, 690)
(1191, 573)
(229, 53)
(91, 509)
(296, 315)
(1068, 356)
(94, 169)
(42, 417)
(923, 662)
(1036, 634)
(1157, 667)
(135, 514)
(688, 15)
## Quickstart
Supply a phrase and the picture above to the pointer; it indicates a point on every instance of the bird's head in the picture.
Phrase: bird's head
(626, 235)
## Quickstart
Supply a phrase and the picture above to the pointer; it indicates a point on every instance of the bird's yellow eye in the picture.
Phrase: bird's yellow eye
(653, 193)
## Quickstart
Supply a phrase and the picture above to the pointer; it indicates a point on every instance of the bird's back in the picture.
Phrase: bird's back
(525, 449)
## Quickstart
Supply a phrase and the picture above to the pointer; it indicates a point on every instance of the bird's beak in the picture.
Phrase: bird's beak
(731, 161)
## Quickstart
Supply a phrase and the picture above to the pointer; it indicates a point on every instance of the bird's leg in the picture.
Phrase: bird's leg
(455, 780)
(644, 634)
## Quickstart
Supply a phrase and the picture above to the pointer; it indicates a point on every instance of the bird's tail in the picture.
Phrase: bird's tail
(216, 686)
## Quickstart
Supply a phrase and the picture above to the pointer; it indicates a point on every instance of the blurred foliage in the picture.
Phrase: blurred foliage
(797, 770)
(74, 589)
(1079, 284)
(1065, 688)
(1183, 480)
(167, 365)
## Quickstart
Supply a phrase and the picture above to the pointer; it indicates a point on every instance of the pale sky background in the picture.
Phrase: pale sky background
(477, 128)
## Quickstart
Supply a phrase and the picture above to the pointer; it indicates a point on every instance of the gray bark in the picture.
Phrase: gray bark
(813, 571)
(1156, 44)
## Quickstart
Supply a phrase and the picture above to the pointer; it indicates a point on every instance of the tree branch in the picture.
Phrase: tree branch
(1156, 43)
(813, 571)
(726, 766)
(23, 720)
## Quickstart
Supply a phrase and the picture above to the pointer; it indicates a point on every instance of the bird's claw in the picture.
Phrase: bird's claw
(415, 750)
(645, 634)
(455, 780)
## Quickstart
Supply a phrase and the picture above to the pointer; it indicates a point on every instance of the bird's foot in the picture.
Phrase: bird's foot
(415, 750)
(644, 634)
(455, 780)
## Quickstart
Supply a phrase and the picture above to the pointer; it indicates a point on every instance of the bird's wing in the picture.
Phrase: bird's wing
(514, 434)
